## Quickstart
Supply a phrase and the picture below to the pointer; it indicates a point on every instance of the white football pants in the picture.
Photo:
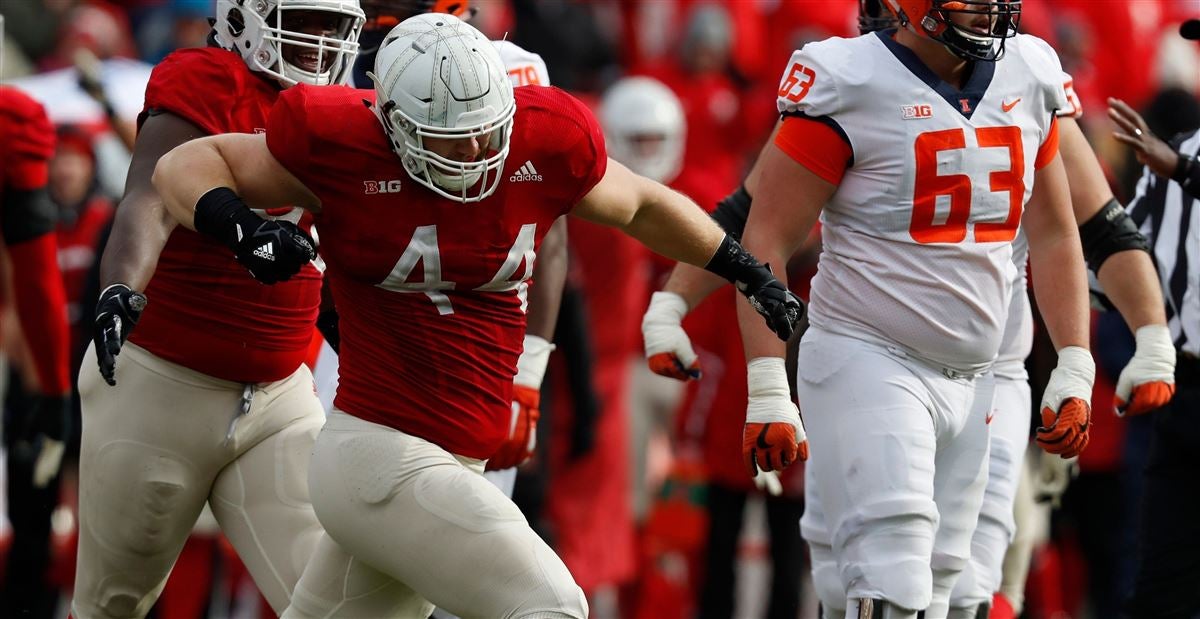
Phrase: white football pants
(896, 474)
(410, 525)
(157, 446)
(997, 526)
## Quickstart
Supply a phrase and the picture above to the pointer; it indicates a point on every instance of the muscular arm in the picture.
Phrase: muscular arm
(1056, 256)
(663, 220)
(186, 173)
(1128, 277)
(550, 275)
(694, 284)
(788, 200)
(142, 225)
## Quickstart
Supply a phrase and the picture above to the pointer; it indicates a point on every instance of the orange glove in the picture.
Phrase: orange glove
(773, 437)
(1148, 380)
(522, 435)
(1066, 408)
(668, 349)
(527, 387)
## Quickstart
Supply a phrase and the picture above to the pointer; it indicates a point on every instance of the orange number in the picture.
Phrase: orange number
(929, 185)
(1011, 180)
(793, 79)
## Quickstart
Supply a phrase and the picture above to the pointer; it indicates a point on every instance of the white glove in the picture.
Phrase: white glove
(1066, 403)
(1053, 476)
(1148, 380)
(774, 436)
(768, 482)
(668, 349)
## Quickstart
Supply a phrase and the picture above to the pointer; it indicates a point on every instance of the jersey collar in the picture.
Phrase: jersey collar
(965, 100)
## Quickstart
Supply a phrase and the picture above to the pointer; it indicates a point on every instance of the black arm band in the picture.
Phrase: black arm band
(1187, 174)
(736, 265)
(27, 214)
(221, 214)
(732, 211)
(1108, 232)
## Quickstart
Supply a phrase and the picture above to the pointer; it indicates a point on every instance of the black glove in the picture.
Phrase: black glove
(38, 436)
(778, 306)
(117, 313)
(273, 251)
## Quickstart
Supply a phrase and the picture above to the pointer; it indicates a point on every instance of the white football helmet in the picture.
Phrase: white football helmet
(256, 30)
(644, 127)
(438, 77)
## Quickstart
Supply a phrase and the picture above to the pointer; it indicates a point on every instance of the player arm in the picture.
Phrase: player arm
(550, 276)
(788, 201)
(1113, 247)
(142, 224)
(1056, 257)
(239, 162)
(30, 219)
(664, 220)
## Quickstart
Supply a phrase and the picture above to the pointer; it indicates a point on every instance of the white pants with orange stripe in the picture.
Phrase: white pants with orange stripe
(160, 444)
(410, 525)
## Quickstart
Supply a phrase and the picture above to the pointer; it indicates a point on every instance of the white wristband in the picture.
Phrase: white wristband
(531, 365)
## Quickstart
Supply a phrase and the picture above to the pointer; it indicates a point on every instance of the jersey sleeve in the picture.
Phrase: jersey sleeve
(524, 67)
(1047, 70)
(817, 145)
(570, 138)
(197, 85)
(287, 138)
(1074, 108)
(809, 84)
(28, 141)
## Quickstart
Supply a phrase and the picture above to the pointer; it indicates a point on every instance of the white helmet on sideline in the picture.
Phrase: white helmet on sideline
(438, 77)
(644, 127)
(260, 30)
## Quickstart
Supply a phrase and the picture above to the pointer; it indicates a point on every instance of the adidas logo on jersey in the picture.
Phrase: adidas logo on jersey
(526, 173)
(266, 252)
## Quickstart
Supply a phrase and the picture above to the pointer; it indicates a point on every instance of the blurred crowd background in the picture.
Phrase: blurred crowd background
(639, 485)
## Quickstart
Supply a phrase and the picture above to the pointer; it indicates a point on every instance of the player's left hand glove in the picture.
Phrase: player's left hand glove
(1066, 403)
(776, 304)
(774, 435)
(272, 250)
(527, 385)
(1148, 381)
(39, 437)
(668, 349)
(117, 311)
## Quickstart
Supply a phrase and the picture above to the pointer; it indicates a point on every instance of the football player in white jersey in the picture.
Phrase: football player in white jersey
(524, 68)
(1144, 384)
(922, 149)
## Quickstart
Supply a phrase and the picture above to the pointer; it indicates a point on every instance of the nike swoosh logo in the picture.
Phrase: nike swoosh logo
(762, 438)
(1009, 106)
(988, 419)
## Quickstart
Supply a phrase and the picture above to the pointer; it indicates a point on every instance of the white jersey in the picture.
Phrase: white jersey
(525, 68)
(1018, 332)
(917, 239)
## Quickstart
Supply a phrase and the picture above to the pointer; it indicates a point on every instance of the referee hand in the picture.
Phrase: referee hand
(1135, 133)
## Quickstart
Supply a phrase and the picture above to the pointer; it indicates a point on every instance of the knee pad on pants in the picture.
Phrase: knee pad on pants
(886, 554)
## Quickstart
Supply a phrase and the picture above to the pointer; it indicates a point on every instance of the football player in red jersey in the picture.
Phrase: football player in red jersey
(429, 266)
(211, 401)
(34, 436)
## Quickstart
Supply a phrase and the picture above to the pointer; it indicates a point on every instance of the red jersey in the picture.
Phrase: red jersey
(26, 145)
(206, 312)
(431, 292)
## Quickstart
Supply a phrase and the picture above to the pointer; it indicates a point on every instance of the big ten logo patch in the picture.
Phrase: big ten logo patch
(910, 112)
(374, 187)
